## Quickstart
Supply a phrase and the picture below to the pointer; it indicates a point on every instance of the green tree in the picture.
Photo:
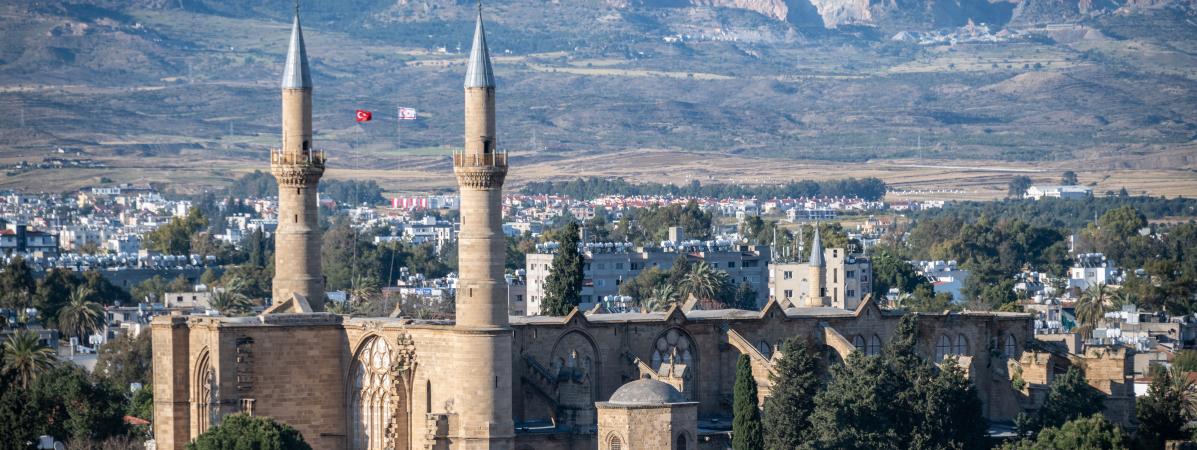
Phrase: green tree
(16, 284)
(19, 422)
(103, 291)
(563, 286)
(53, 292)
(1018, 186)
(151, 290)
(746, 422)
(126, 360)
(792, 399)
(950, 410)
(890, 271)
(81, 316)
(74, 406)
(1068, 178)
(240, 431)
(1093, 432)
(209, 277)
(863, 407)
(142, 403)
(1121, 223)
(25, 358)
(1069, 397)
(642, 286)
(174, 238)
(745, 297)
(1164, 411)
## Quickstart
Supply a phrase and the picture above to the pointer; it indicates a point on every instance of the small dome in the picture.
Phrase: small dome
(646, 392)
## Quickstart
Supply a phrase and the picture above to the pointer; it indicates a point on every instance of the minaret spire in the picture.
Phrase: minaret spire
(295, 73)
(479, 73)
(816, 249)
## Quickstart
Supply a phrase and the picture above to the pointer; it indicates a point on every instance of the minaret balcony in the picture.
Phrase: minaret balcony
(310, 158)
(461, 159)
(297, 170)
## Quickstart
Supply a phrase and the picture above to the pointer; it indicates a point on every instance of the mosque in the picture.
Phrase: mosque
(489, 381)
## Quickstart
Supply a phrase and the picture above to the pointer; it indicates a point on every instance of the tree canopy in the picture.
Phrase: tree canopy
(240, 431)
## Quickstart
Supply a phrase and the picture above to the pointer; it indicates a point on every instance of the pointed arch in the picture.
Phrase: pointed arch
(202, 380)
(374, 398)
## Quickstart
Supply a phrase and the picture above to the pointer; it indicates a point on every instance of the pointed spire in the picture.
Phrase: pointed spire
(816, 250)
(479, 73)
(295, 72)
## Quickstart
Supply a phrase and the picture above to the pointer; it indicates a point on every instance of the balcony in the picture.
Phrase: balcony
(498, 159)
(313, 158)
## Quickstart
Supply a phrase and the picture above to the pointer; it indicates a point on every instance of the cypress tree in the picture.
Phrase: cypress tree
(746, 424)
(792, 400)
(563, 287)
(1162, 413)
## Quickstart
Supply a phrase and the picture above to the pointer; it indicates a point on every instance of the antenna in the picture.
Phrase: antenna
(296, 8)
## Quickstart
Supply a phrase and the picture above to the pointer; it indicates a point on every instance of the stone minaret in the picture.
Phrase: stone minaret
(818, 271)
(298, 168)
(485, 381)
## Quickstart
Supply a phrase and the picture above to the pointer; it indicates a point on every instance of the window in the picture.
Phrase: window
(635, 266)
(615, 443)
(835, 275)
(749, 263)
(850, 274)
(961, 345)
(1011, 346)
(874, 345)
(600, 283)
(731, 264)
(789, 293)
(601, 266)
(618, 266)
(681, 442)
(851, 293)
(715, 265)
(765, 349)
(859, 342)
(943, 348)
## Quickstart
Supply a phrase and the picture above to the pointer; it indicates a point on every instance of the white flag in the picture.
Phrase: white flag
(407, 113)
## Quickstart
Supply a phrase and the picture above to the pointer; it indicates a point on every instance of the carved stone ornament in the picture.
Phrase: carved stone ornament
(481, 177)
(296, 175)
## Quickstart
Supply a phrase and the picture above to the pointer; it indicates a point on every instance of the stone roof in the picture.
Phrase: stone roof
(646, 392)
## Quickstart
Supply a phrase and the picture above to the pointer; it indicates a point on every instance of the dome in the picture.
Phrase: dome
(646, 392)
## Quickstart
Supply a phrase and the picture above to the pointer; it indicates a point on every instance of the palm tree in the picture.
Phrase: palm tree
(363, 289)
(1185, 390)
(81, 316)
(342, 308)
(1123, 297)
(230, 299)
(661, 297)
(703, 281)
(1092, 307)
(25, 358)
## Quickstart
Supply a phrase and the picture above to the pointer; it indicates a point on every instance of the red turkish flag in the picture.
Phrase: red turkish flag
(364, 116)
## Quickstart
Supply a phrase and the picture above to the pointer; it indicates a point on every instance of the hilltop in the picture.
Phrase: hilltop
(186, 90)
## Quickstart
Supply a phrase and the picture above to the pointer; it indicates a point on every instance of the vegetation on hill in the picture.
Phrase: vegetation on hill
(588, 188)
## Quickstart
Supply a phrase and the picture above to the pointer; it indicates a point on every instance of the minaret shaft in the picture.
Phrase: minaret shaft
(297, 168)
(482, 320)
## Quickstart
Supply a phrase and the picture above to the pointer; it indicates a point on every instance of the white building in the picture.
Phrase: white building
(1038, 192)
(1091, 269)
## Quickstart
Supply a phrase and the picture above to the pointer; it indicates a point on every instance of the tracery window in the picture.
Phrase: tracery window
(1011, 346)
(874, 345)
(943, 348)
(370, 401)
(961, 345)
(765, 349)
(673, 345)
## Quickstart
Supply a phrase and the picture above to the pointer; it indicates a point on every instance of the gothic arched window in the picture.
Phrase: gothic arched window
(943, 348)
(874, 345)
(615, 443)
(1011, 346)
(858, 341)
(961, 345)
(371, 395)
(681, 442)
